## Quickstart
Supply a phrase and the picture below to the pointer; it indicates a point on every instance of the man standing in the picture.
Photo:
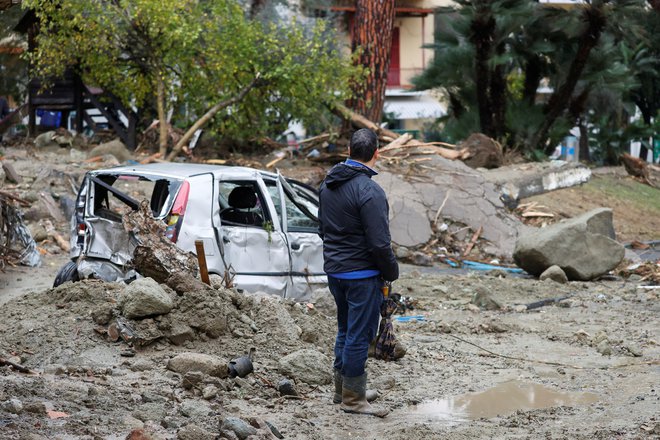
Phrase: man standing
(354, 226)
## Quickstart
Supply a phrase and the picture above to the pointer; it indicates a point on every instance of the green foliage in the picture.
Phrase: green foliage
(13, 68)
(525, 44)
(205, 52)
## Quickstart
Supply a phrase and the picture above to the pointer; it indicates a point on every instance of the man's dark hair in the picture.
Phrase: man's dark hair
(364, 144)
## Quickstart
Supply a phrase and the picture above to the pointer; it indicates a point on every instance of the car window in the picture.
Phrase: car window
(242, 204)
(297, 220)
(115, 195)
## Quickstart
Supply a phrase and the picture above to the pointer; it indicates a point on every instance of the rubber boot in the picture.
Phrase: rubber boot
(371, 394)
(338, 387)
(354, 397)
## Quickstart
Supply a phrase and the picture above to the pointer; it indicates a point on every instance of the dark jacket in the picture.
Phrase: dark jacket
(353, 223)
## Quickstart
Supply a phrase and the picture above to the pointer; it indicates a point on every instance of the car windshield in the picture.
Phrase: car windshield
(115, 195)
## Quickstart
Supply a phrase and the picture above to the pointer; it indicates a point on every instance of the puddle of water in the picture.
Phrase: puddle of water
(503, 399)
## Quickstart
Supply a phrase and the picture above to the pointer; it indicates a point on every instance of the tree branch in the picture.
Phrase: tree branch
(210, 113)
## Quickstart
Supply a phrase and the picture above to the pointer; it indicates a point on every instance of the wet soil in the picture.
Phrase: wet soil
(599, 348)
(584, 368)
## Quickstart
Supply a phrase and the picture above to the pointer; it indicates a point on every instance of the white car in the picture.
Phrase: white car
(257, 226)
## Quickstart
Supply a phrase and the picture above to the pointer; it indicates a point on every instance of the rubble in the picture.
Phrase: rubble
(583, 247)
(308, 365)
(155, 256)
(85, 375)
(144, 297)
(424, 197)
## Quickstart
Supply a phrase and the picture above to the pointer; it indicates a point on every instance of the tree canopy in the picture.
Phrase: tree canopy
(492, 58)
(191, 55)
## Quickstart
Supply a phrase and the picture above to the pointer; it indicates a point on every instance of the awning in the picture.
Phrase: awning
(418, 106)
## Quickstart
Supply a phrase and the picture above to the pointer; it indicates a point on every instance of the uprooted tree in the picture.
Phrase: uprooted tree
(199, 60)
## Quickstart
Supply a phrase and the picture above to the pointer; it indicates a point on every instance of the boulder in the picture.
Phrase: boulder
(308, 365)
(145, 297)
(115, 148)
(483, 299)
(583, 247)
(205, 363)
(555, 274)
(484, 152)
(238, 426)
(464, 196)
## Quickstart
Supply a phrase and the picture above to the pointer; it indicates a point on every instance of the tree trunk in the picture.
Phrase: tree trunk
(532, 79)
(498, 99)
(372, 39)
(584, 142)
(482, 29)
(595, 18)
(162, 123)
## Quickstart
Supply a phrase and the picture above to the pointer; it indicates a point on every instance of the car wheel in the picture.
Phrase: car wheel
(68, 272)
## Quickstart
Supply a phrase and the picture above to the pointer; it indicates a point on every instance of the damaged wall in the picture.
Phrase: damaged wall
(416, 190)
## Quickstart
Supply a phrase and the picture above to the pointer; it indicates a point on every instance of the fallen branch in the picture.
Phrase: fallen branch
(15, 366)
(537, 214)
(442, 205)
(209, 114)
(274, 161)
(52, 233)
(150, 159)
(474, 239)
(10, 196)
(359, 120)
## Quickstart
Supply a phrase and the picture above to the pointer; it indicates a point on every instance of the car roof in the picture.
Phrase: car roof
(183, 170)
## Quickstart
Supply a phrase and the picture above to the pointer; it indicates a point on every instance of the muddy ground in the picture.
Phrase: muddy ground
(586, 367)
(599, 346)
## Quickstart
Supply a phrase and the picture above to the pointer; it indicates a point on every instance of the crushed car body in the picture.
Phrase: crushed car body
(259, 230)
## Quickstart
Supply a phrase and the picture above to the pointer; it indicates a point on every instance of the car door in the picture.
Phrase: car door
(300, 225)
(254, 247)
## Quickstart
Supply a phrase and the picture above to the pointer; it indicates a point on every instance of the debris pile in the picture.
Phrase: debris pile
(648, 271)
(16, 244)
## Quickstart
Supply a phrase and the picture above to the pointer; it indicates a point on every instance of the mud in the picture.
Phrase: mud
(600, 345)
(557, 383)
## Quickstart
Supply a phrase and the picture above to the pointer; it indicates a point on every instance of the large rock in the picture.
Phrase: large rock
(308, 365)
(145, 297)
(204, 363)
(484, 152)
(115, 148)
(463, 193)
(583, 247)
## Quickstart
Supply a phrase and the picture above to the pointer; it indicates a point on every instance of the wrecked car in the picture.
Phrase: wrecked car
(259, 229)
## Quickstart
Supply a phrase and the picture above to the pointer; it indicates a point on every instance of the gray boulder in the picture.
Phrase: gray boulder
(583, 247)
(194, 432)
(115, 148)
(145, 297)
(239, 427)
(555, 274)
(205, 363)
(310, 366)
